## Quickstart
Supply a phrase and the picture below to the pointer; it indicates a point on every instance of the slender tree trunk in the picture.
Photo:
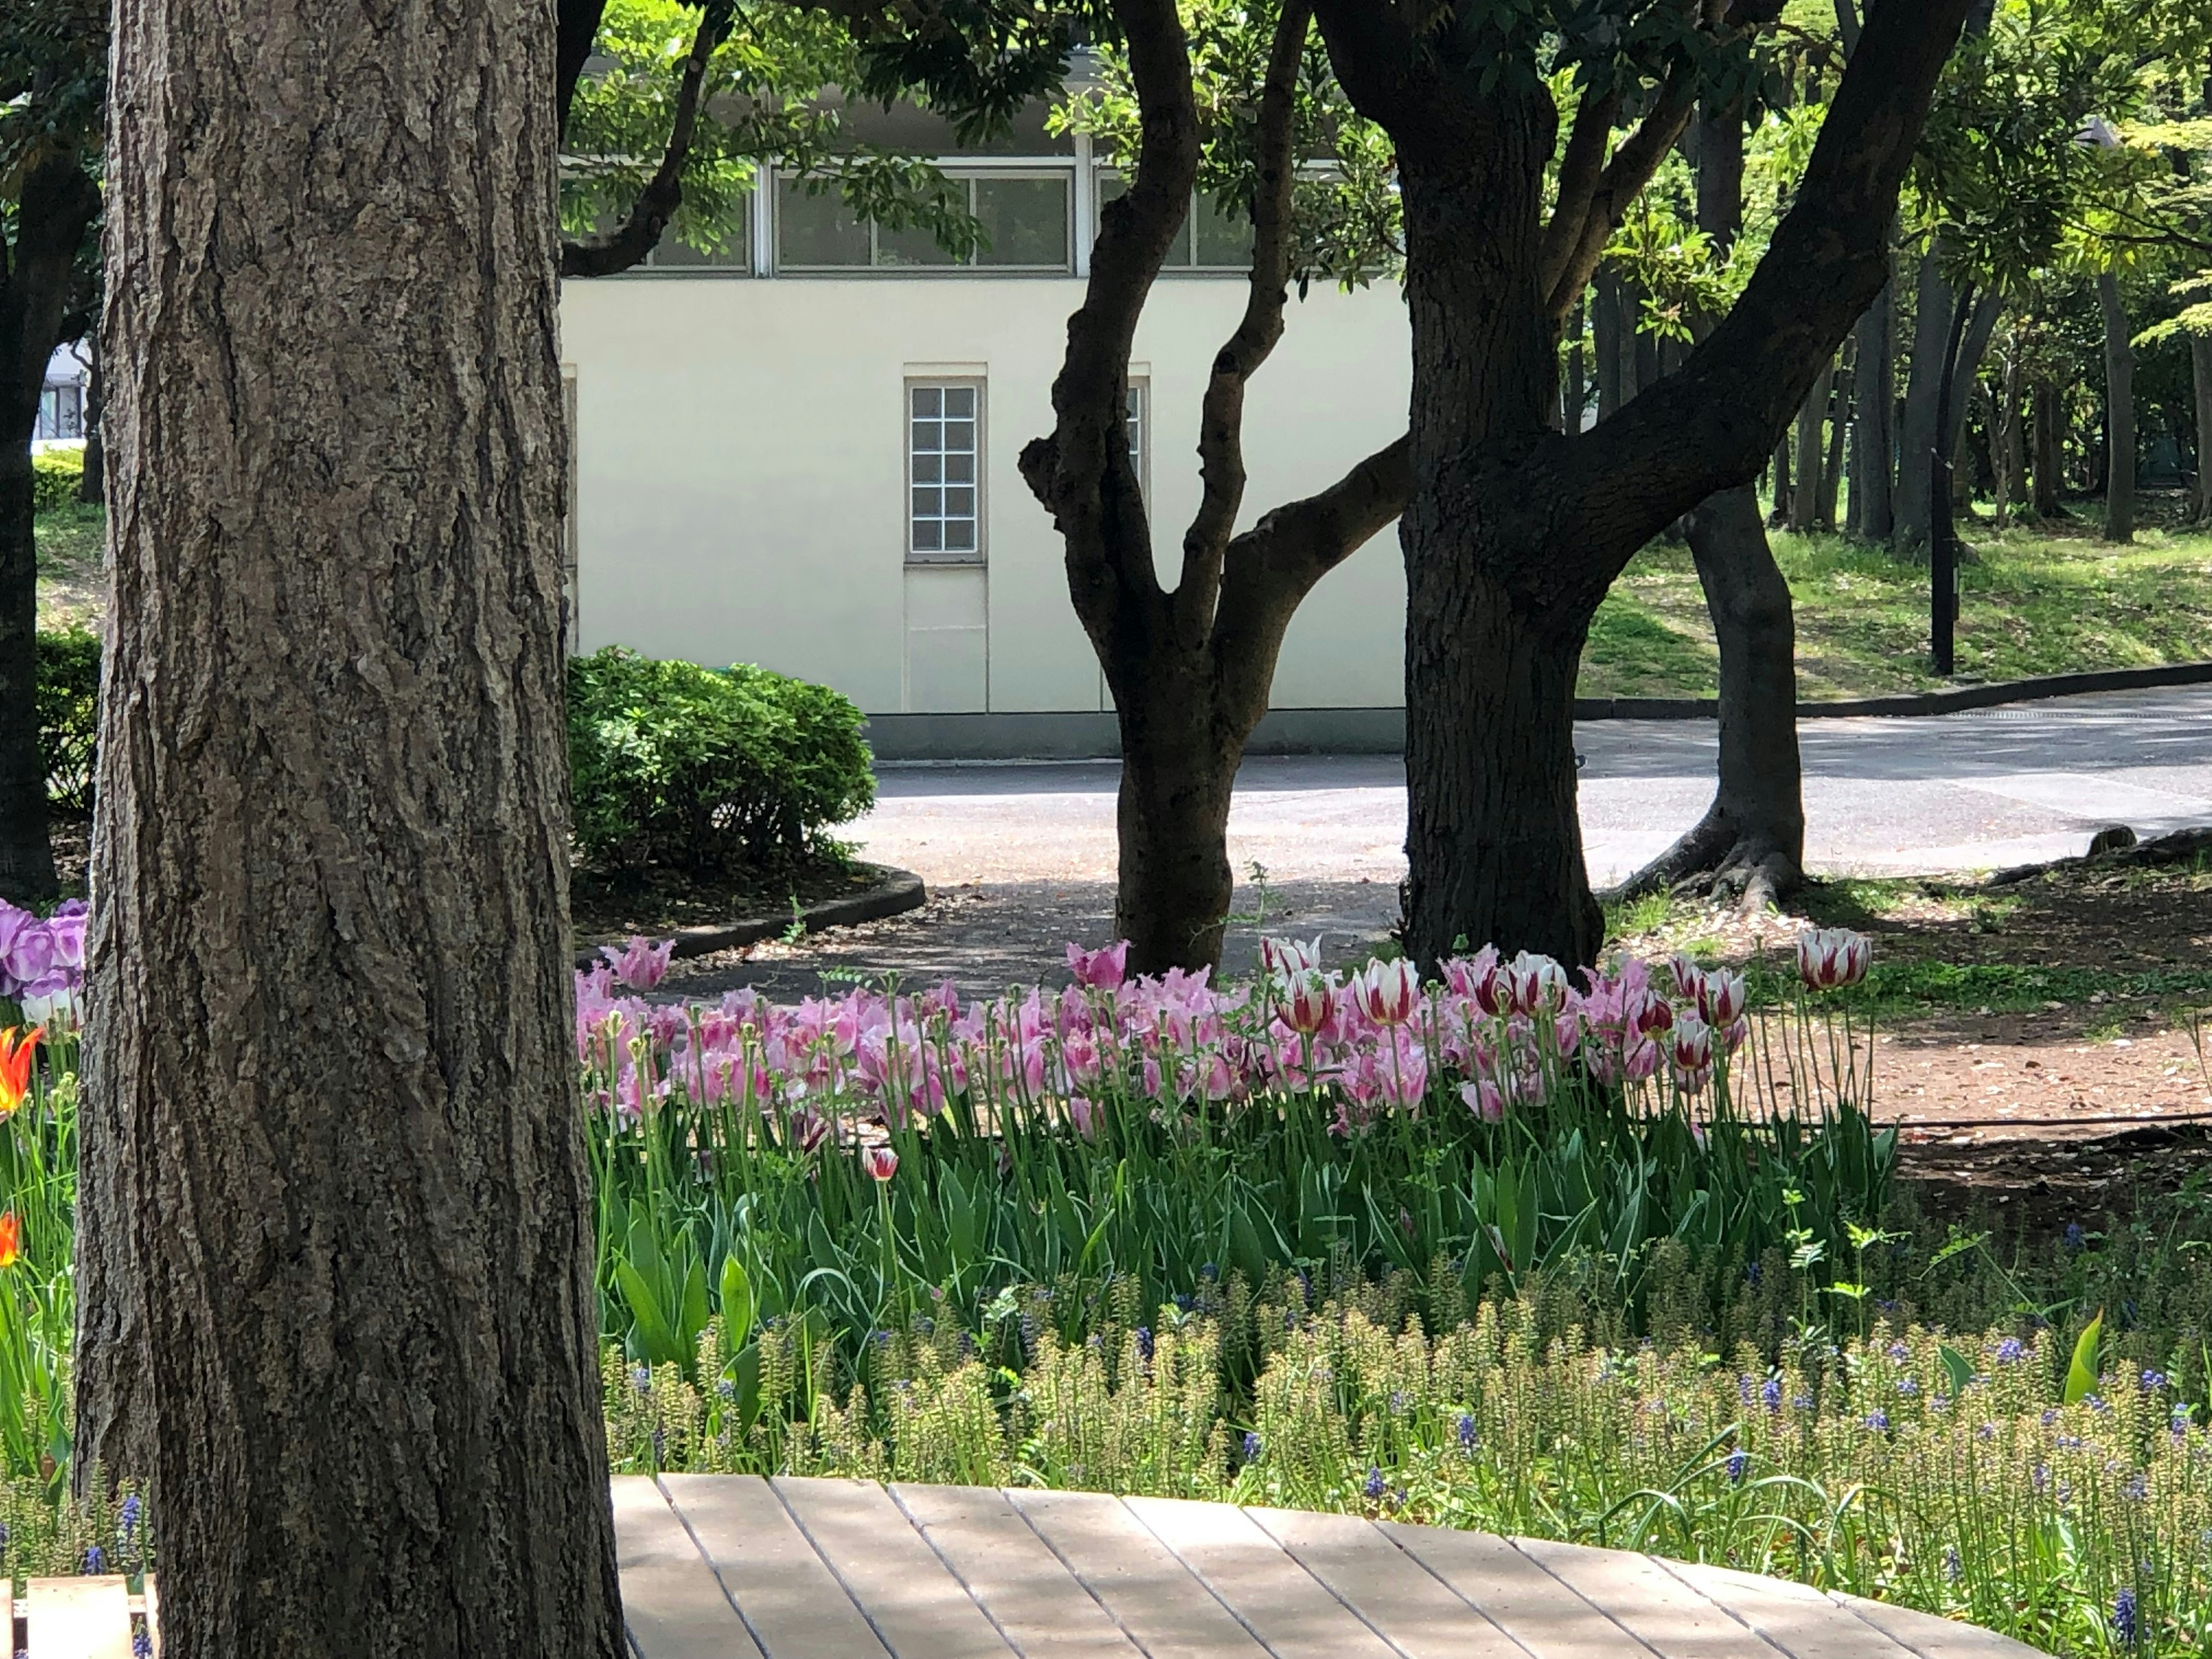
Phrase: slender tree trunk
(1751, 840)
(1605, 331)
(1917, 439)
(1812, 431)
(1874, 393)
(56, 204)
(2119, 414)
(2200, 362)
(1832, 470)
(335, 1235)
(1973, 346)
(1780, 495)
(2045, 472)
(92, 488)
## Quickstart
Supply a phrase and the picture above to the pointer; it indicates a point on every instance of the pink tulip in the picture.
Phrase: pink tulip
(1388, 992)
(1721, 997)
(1102, 970)
(809, 1129)
(640, 964)
(1485, 1100)
(1830, 957)
(1082, 1114)
(1312, 1001)
(880, 1162)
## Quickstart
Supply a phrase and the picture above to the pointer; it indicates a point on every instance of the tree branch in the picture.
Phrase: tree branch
(1623, 181)
(641, 230)
(57, 205)
(1270, 568)
(1710, 425)
(1221, 416)
(1580, 169)
(1082, 472)
(577, 26)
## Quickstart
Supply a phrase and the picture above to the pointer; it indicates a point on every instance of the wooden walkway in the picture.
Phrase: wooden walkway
(735, 1567)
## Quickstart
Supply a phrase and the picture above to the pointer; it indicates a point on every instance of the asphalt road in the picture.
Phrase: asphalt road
(1020, 858)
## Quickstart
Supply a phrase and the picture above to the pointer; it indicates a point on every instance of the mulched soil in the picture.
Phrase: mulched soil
(658, 901)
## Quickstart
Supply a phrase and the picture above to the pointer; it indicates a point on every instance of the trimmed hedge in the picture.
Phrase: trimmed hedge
(55, 476)
(702, 769)
(68, 715)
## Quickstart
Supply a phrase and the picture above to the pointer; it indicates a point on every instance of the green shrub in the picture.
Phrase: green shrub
(701, 770)
(68, 715)
(55, 474)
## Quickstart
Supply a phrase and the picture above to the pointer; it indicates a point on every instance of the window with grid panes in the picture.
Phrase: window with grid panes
(943, 488)
(1024, 216)
(1139, 393)
(1210, 239)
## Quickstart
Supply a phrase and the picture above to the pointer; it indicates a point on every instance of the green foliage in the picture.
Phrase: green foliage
(55, 476)
(761, 100)
(702, 770)
(68, 715)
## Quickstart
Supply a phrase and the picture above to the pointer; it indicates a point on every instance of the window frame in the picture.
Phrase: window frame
(978, 556)
(965, 170)
(1138, 421)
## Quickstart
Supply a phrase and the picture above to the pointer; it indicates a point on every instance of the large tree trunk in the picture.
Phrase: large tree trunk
(2119, 414)
(56, 205)
(1873, 395)
(2200, 362)
(2045, 472)
(1918, 437)
(1178, 771)
(335, 1231)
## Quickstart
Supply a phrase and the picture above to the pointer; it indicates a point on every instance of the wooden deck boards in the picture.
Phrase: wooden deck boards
(736, 1567)
(850, 1570)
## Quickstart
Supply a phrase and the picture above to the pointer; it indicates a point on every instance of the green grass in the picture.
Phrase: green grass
(2037, 601)
(71, 541)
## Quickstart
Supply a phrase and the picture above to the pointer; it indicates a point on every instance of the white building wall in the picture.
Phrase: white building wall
(741, 478)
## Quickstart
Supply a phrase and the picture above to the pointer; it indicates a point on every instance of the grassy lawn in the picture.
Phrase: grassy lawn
(70, 546)
(2041, 601)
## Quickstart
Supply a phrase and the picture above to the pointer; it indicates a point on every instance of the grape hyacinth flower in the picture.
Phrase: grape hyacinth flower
(1374, 1486)
(1251, 1447)
(1467, 1431)
(1739, 1466)
(2124, 1617)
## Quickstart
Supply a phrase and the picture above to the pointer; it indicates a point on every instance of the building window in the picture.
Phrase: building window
(61, 412)
(1025, 217)
(1210, 239)
(1140, 395)
(945, 450)
(733, 258)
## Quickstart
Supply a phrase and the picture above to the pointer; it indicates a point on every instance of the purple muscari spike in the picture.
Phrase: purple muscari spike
(1374, 1486)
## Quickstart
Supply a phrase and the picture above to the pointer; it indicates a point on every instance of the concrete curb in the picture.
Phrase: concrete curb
(892, 893)
(1953, 700)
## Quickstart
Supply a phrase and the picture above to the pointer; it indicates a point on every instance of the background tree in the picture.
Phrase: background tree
(1514, 531)
(334, 1230)
(1229, 100)
(52, 78)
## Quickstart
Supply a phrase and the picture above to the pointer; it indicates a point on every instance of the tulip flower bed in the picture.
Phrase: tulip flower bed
(881, 1157)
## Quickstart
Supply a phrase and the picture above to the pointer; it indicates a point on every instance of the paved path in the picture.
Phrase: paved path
(1024, 854)
(720, 1566)
(1956, 792)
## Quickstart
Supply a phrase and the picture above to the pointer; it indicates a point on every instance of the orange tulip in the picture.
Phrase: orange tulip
(11, 1240)
(16, 1049)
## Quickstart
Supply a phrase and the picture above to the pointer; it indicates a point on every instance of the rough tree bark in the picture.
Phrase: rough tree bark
(335, 1244)
(57, 204)
(1917, 439)
(1189, 669)
(2119, 413)
(1751, 841)
(1512, 535)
